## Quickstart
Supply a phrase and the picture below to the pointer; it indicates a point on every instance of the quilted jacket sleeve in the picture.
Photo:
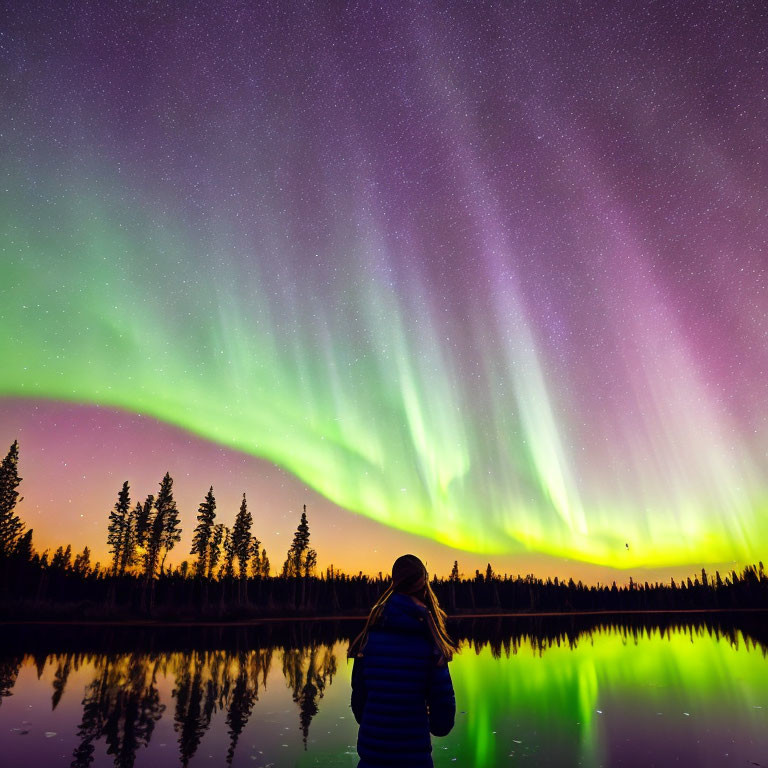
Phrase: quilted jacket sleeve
(441, 701)
(359, 691)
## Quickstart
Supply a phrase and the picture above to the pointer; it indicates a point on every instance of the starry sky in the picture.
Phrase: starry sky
(476, 280)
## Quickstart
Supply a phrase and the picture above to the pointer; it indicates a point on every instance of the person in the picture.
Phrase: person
(401, 685)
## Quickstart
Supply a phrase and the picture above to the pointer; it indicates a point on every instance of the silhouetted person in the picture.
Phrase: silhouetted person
(401, 686)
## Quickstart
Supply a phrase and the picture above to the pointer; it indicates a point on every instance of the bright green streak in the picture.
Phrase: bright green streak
(552, 700)
(345, 380)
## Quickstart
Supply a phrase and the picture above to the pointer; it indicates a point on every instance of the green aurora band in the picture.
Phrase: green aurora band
(330, 371)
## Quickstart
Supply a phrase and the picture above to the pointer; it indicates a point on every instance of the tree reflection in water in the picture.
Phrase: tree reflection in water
(307, 676)
(122, 704)
(9, 671)
(226, 671)
(197, 698)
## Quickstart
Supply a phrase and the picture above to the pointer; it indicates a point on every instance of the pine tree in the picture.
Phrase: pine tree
(118, 520)
(165, 508)
(229, 553)
(201, 539)
(294, 561)
(455, 576)
(310, 561)
(144, 521)
(214, 548)
(128, 545)
(11, 526)
(255, 558)
(162, 522)
(62, 558)
(82, 564)
(24, 549)
(265, 566)
(152, 545)
(241, 537)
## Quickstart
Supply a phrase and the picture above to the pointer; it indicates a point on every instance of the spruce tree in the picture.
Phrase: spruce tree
(265, 566)
(24, 549)
(118, 520)
(82, 564)
(455, 572)
(128, 545)
(165, 508)
(310, 561)
(294, 561)
(62, 558)
(214, 548)
(201, 539)
(229, 553)
(11, 526)
(163, 529)
(255, 557)
(153, 545)
(144, 520)
(241, 537)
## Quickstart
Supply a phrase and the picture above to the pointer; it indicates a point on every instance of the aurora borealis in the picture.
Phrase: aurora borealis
(493, 274)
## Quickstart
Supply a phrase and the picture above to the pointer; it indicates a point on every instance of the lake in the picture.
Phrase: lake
(543, 692)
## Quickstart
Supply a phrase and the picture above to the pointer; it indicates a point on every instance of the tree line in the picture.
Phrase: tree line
(228, 574)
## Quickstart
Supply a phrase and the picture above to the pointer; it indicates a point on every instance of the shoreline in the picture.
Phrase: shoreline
(162, 623)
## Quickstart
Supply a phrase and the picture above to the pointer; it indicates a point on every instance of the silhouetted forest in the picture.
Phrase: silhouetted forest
(224, 670)
(229, 575)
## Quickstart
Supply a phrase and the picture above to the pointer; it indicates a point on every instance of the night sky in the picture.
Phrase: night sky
(487, 276)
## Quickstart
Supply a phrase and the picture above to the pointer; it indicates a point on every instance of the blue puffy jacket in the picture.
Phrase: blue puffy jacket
(400, 693)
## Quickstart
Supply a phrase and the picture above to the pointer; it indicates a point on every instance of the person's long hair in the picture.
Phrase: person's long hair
(407, 572)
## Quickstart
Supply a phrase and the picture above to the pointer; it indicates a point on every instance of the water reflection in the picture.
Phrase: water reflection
(122, 706)
(122, 702)
(548, 692)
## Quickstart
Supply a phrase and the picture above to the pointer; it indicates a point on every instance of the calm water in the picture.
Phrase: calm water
(543, 696)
